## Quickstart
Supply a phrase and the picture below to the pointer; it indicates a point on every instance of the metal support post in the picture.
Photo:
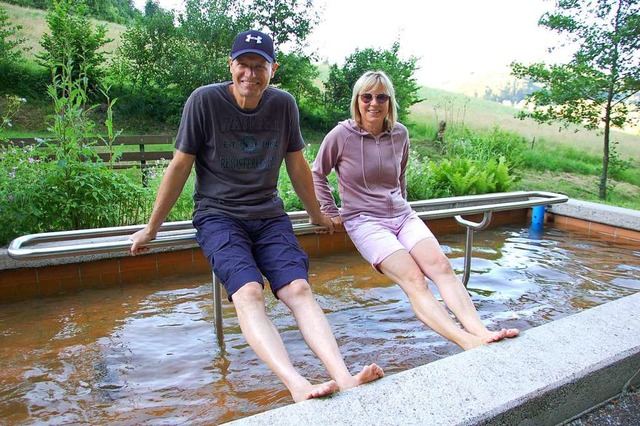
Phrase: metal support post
(217, 309)
(471, 227)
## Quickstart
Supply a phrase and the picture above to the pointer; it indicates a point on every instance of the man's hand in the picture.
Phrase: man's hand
(140, 240)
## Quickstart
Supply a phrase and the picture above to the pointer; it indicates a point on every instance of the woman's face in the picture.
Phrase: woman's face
(376, 109)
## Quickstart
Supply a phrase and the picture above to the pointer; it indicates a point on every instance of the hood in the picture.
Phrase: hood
(352, 126)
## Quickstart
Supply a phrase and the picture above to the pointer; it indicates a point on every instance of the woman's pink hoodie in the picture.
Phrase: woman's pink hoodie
(371, 171)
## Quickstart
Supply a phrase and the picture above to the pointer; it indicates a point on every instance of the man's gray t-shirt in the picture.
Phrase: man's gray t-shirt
(238, 153)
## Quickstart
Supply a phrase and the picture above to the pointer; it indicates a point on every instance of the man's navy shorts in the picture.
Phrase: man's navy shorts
(241, 251)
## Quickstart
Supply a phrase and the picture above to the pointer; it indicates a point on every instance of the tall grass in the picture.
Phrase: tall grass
(561, 159)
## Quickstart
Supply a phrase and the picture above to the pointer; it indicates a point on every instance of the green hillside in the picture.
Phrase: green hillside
(34, 26)
(458, 109)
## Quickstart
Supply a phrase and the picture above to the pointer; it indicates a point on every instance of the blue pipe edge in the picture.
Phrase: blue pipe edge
(537, 219)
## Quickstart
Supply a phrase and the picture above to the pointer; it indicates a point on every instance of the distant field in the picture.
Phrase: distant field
(482, 114)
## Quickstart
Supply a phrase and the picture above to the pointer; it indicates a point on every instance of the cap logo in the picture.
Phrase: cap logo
(258, 39)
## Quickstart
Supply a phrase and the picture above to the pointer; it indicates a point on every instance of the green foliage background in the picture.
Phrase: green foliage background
(161, 58)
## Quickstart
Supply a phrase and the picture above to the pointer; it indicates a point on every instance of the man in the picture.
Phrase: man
(238, 133)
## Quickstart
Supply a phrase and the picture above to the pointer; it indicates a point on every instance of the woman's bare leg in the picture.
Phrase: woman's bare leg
(402, 269)
(437, 267)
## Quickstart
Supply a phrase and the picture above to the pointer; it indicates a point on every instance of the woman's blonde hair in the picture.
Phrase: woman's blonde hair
(366, 82)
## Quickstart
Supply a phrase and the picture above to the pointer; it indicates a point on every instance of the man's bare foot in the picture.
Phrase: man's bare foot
(368, 374)
(315, 391)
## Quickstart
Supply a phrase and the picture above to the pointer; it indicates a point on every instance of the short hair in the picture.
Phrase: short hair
(366, 82)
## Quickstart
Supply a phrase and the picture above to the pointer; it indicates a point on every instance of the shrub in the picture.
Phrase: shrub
(61, 184)
(448, 178)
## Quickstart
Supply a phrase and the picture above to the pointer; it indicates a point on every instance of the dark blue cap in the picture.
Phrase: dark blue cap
(254, 42)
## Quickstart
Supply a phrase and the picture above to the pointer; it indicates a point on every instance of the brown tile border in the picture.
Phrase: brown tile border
(598, 230)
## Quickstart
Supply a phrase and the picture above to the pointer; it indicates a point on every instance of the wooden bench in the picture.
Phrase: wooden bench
(143, 158)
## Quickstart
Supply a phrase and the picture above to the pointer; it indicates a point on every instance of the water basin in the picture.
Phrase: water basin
(147, 354)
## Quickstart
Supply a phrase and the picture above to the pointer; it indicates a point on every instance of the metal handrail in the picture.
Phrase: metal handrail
(100, 240)
(114, 239)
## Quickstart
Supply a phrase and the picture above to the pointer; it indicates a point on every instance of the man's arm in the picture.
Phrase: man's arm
(302, 182)
(171, 186)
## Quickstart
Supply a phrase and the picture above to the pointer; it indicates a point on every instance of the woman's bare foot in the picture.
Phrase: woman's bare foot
(315, 391)
(368, 374)
(512, 332)
(491, 337)
(503, 334)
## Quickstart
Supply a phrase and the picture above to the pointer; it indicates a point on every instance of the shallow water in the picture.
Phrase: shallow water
(147, 354)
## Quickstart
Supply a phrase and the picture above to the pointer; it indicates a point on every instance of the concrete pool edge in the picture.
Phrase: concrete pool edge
(548, 375)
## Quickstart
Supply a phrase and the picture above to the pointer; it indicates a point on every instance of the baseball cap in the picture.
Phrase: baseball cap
(253, 42)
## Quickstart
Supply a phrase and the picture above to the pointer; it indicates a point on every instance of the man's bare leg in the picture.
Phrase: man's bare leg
(318, 335)
(265, 340)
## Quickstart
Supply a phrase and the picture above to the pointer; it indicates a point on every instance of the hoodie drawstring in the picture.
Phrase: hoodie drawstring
(364, 178)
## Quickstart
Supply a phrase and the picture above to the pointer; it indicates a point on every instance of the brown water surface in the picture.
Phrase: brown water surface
(147, 354)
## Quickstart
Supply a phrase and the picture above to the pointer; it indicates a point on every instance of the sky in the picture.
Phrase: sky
(452, 39)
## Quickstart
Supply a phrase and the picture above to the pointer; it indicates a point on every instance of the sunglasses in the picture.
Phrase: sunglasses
(381, 98)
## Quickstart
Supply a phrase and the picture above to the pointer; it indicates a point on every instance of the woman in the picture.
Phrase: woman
(369, 153)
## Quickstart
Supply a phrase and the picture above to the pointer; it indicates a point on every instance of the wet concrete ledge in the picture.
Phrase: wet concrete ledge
(548, 375)
(598, 213)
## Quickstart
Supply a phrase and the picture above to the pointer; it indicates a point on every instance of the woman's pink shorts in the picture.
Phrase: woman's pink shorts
(378, 237)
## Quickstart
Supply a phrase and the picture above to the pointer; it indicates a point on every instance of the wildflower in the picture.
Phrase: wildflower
(32, 160)
(12, 175)
(10, 197)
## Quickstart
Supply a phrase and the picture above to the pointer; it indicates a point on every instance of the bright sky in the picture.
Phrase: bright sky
(452, 38)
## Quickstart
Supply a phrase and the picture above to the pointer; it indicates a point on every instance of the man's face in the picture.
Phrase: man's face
(251, 74)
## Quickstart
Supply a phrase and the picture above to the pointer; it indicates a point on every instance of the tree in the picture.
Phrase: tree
(118, 11)
(74, 41)
(288, 21)
(163, 58)
(339, 86)
(209, 28)
(148, 49)
(595, 88)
